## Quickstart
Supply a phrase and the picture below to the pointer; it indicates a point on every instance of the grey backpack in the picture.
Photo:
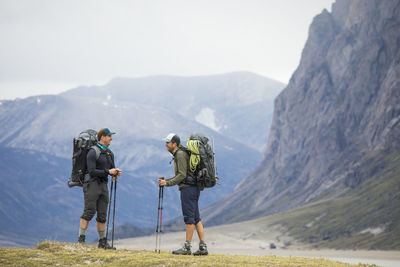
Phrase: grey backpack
(202, 162)
(82, 144)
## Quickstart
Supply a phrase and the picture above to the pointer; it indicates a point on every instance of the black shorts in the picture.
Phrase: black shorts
(96, 200)
(190, 204)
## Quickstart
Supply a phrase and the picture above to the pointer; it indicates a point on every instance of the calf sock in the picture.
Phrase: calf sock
(102, 234)
(82, 231)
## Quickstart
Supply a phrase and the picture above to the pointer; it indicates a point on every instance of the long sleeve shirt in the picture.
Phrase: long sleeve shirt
(181, 164)
(98, 169)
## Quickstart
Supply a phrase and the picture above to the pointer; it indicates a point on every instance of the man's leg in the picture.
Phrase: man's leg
(189, 232)
(200, 230)
(102, 204)
(83, 226)
(90, 199)
(101, 228)
(188, 199)
(197, 219)
(202, 246)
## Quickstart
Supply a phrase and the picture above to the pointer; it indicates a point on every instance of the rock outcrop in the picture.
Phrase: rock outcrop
(341, 105)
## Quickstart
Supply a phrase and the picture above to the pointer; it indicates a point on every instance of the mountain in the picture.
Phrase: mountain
(34, 202)
(339, 114)
(37, 142)
(231, 104)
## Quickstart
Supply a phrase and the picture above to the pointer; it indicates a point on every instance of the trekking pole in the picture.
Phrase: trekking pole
(109, 206)
(162, 200)
(158, 217)
(115, 200)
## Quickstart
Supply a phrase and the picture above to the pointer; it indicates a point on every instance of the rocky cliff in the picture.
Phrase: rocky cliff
(341, 106)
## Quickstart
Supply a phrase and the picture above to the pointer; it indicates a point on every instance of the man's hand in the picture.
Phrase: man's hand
(162, 182)
(115, 172)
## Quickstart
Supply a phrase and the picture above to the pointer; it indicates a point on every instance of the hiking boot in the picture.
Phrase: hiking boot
(185, 250)
(202, 250)
(104, 244)
(81, 239)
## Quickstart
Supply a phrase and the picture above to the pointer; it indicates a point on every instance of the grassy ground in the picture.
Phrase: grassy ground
(68, 254)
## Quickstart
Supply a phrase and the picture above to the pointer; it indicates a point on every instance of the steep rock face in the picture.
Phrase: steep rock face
(342, 103)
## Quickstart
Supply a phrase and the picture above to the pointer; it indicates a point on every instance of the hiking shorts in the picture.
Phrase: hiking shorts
(95, 195)
(190, 204)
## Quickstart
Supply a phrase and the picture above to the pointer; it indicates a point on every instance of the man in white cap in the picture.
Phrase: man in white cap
(189, 195)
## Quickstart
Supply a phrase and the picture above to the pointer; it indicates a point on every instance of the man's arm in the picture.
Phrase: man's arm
(181, 165)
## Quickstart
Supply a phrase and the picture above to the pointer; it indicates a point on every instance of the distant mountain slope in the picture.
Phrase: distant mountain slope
(34, 202)
(340, 109)
(42, 127)
(238, 105)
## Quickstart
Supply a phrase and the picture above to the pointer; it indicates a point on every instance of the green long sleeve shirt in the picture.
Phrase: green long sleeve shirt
(181, 164)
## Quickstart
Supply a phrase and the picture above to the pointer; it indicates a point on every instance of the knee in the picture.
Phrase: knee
(88, 214)
(189, 220)
(101, 217)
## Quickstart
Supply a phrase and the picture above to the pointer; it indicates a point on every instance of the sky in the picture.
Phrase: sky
(49, 46)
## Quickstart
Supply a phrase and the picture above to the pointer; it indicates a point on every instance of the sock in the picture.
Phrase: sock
(82, 231)
(102, 234)
(202, 245)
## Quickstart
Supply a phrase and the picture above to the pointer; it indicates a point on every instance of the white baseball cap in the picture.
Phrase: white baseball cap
(172, 138)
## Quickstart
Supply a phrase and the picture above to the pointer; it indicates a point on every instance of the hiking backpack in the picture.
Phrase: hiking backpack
(201, 161)
(86, 140)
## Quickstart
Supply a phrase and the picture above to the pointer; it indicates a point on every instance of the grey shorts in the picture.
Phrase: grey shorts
(96, 200)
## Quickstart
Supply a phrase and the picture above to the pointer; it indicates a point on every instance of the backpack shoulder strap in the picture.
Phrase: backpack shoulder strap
(109, 152)
(97, 150)
(184, 149)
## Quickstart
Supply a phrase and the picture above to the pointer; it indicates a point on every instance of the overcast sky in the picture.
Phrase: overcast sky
(49, 46)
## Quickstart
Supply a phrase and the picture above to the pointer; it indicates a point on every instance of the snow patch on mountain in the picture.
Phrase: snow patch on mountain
(207, 118)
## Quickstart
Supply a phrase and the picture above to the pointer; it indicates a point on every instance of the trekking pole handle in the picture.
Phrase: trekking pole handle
(161, 178)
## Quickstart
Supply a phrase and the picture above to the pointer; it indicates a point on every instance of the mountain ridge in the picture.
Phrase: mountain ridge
(342, 104)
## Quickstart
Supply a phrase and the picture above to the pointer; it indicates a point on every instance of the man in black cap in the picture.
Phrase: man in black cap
(190, 194)
(100, 164)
